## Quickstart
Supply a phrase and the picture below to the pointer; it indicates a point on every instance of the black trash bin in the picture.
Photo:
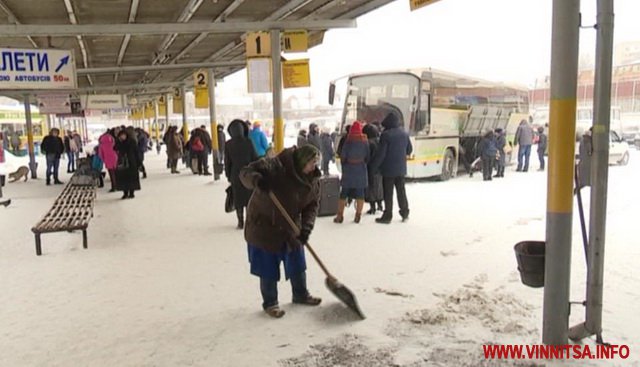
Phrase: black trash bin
(530, 256)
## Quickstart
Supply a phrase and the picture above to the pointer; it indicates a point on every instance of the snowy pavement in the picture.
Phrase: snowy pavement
(165, 280)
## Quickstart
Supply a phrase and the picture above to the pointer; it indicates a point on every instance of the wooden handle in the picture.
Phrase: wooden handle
(296, 230)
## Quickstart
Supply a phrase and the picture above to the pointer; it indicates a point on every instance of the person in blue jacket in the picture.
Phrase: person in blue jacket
(259, 139)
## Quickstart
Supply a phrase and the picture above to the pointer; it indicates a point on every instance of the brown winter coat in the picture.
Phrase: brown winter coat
(174, 146)
(265, 227)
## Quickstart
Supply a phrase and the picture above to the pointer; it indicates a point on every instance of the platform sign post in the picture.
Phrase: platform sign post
(295, 41)
(33, 165)
(201, 88)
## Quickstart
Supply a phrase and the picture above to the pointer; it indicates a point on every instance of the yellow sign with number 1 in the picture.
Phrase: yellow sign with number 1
(258, 44)
(201, 81)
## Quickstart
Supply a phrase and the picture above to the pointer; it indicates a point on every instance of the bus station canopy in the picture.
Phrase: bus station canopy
(151, 46)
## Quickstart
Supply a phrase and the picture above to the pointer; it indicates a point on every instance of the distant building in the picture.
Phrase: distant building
(625, 89)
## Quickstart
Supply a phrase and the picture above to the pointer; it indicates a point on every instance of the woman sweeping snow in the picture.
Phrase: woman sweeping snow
(293, 177)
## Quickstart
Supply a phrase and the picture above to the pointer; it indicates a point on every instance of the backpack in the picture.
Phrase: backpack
(197, 145)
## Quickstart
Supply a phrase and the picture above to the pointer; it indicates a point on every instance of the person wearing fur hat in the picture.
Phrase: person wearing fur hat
(354, 158)
(293, 177)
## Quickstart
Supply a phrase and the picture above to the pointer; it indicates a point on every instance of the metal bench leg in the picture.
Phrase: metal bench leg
(38, 245)
(84, 238)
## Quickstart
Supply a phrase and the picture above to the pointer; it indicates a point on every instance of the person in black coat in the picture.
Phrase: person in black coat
(501, 144)
(391, 162)
(374, 195)
(53, 147)
(542, 147)
(238, 153)
(143, 147)
(127, 177)
(488, 151)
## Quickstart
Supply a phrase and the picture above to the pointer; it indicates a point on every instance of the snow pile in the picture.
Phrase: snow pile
(496, 310)
(347, 350)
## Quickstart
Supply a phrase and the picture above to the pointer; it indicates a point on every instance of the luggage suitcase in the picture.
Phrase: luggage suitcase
(194, 165)
(329, 195)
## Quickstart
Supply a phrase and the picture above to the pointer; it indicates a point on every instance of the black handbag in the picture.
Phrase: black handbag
(228, 202)
(123, 163)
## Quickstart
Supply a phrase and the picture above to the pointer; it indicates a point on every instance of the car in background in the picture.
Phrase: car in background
(618, 150)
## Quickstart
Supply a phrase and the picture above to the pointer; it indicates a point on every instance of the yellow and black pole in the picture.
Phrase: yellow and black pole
(599, 175)
(278, 121)
(214, 123)
(33, 165)
(562, 127)
(156, 130)
(185, 125)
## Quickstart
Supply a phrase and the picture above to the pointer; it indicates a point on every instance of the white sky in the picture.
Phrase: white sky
(501, 40)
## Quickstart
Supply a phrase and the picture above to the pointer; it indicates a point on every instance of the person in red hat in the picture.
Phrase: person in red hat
(354, 158)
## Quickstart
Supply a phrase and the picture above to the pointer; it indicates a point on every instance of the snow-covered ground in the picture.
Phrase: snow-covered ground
(165, 280)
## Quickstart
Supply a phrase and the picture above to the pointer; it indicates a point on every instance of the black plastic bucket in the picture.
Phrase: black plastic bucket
(530, 256)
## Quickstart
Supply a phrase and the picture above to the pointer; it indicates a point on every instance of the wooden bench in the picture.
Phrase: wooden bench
(72, 210)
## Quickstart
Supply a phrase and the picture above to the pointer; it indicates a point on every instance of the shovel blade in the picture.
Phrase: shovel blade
(344, 295)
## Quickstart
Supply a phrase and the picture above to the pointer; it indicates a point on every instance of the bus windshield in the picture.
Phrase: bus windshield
(370, 98)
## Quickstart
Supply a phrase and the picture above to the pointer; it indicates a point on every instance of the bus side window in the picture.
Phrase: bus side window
(424, 114)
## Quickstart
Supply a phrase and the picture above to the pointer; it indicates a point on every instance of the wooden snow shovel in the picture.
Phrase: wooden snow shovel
(338, 289)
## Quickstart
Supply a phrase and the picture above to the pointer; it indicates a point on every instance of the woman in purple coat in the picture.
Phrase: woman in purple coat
(354, 157)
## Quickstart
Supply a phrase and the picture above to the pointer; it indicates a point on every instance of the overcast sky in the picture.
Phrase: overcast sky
(501, 40)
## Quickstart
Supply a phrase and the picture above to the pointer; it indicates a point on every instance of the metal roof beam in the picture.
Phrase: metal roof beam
(128, 87)
(83, 48)
(79, 30)
(141, 68)
(14, 19)
(221, 18)
(288, 9)
(125, 42)
(188, 12)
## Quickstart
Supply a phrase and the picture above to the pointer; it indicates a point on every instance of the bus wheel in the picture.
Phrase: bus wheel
(625, 159)
(448, 165)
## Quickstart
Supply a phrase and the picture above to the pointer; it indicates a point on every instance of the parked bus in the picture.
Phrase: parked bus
(13, 122)
(445, 114)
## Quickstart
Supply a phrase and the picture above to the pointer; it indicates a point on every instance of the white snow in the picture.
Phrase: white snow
(165, 280)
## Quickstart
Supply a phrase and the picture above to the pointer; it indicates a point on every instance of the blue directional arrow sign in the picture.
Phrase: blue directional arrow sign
(64, 61)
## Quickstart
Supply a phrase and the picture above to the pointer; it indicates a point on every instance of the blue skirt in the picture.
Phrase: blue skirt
(265, 264)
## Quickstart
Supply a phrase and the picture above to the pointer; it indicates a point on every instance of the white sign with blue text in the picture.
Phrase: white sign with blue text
(25, 69)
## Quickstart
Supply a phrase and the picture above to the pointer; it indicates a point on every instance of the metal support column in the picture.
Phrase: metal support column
(278, 122)
(214, 123)
(562, 127)
(33, 165)
(599, 174)
(185, 125)
(156, 130)
(166, 114)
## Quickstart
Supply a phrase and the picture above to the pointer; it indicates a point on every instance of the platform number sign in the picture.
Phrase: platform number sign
(258, 44)
(177, 100)
(295, 41)
(201, 84)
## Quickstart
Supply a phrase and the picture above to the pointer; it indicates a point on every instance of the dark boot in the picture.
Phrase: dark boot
(340, 216)
(125, 195)
(131, 195)
(380, 208)
(240, 215)
(372, 209)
